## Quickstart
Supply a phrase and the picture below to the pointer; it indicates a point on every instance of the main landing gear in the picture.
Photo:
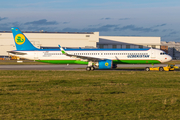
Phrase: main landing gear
(90, 68)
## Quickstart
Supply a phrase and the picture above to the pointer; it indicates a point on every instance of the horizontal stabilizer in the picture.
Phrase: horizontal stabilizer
(16, 53)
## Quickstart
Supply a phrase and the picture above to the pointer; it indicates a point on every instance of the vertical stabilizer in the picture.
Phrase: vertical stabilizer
(21, 42)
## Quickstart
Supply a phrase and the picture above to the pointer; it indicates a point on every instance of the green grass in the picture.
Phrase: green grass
(89, 95)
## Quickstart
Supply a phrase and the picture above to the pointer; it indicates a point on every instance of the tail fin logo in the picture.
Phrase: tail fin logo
(20, 39)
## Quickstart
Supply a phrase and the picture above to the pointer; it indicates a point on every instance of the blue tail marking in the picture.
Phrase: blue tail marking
(21, 42)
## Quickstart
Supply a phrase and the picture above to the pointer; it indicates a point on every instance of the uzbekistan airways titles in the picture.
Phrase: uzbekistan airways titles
(138, 56)
(47, 54)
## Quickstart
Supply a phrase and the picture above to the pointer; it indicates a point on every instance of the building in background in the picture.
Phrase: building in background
(128, 42)
(75, 40)
(164, 48)
(173, 49)
(50, 40)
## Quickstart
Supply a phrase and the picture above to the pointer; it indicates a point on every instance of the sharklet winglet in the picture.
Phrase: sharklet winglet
(59, 46)
(62, 50)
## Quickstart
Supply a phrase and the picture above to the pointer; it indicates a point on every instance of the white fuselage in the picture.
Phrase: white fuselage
(112, 54)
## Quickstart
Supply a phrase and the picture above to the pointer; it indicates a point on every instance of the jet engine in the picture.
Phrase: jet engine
(105, 64)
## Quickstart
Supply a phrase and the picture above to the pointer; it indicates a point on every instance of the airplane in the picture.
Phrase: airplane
(93, 58)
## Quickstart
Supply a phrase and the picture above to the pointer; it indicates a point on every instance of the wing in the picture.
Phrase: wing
(84, 58)
(16, 53)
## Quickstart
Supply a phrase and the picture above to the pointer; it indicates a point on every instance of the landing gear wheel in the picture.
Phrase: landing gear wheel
(161, 69)
(92, 68)
(88, 68)
(147, 69)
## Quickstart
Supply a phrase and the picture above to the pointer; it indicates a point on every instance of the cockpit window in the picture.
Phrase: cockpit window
(162, 53)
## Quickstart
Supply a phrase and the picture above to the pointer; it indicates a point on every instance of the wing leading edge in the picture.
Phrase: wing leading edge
(84, 58)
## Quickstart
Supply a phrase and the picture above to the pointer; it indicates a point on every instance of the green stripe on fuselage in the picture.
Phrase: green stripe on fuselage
(114, 61)
(63, 61)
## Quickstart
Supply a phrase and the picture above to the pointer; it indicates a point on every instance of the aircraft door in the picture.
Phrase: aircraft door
(153, 53)
(35, 55)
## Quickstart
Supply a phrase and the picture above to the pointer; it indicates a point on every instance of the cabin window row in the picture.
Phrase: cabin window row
(110, 53)
(54, 53)
(103, 53)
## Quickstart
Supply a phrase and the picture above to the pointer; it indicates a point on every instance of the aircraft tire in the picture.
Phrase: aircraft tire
(147, 69)
(161, 69)
(92, 68)
(88, 68)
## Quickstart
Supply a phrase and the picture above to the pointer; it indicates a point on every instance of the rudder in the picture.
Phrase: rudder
(21, 42)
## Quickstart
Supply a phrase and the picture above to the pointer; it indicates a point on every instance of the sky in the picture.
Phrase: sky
(154, 18)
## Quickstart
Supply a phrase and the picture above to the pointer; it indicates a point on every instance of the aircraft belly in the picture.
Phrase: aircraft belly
(147, 61)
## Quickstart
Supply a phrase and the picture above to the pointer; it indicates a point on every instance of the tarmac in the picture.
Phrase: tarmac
(73, 67)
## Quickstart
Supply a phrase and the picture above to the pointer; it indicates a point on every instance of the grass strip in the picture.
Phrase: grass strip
(89, 95)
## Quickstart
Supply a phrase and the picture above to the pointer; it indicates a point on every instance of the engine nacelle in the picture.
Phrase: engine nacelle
(105, 64)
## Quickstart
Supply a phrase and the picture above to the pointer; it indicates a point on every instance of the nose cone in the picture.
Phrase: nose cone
(167, 58)
(170, 58)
